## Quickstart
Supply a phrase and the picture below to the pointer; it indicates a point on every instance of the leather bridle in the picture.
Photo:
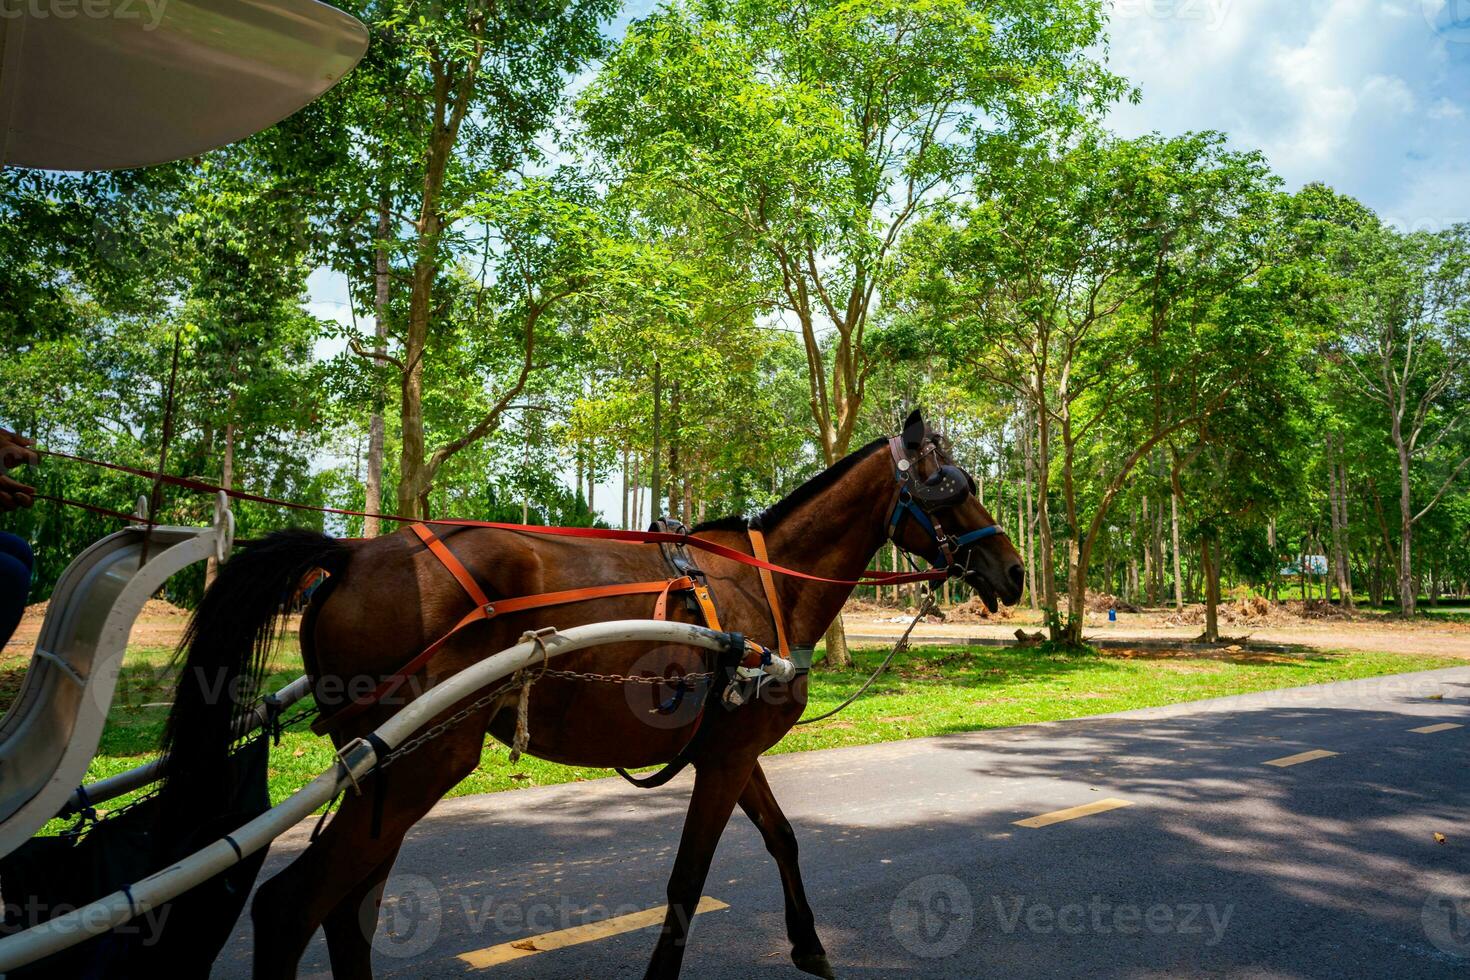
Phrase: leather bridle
(920, 501)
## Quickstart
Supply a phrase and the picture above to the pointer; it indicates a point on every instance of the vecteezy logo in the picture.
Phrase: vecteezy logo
(411, 915)
(673, 700)
(1446, 921)
(1449, 18)
(933, 917)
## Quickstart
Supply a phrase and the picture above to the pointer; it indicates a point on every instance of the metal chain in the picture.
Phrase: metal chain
(459, 716)
(89, 819)
(651, 680)
(305, 713)
(429, 734)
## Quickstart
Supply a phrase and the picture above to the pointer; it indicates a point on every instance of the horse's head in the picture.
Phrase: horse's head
(937, 514)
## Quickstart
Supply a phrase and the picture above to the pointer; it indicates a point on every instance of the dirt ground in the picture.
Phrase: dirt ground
(162, 624)
(1244, 622)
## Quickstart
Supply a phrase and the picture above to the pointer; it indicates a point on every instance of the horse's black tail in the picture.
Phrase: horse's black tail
(224, 651)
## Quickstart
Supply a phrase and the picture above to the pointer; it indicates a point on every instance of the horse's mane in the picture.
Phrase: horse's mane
(772, 515)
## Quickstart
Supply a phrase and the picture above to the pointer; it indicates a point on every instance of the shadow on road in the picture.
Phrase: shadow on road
(914, 867)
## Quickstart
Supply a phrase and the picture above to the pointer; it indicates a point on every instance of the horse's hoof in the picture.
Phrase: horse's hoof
(816, 964)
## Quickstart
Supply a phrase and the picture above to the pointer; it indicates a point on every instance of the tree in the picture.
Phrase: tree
(815, 134)
(1404, 301)
(243, 244)
(441, 131)
(1084, 280)
(66, 240)
(1236, 467)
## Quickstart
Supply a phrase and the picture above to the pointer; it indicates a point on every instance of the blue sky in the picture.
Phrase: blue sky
(1369, 96)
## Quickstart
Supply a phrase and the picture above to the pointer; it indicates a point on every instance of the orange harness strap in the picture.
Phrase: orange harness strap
(486, 609)
(454, 565)
(706, 605)
(768, 582)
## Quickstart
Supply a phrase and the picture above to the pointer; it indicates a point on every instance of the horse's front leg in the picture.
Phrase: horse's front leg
(717, 785)
(759, 804)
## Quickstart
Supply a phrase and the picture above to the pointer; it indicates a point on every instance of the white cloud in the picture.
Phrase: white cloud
(1446, 109)
(1369, 96)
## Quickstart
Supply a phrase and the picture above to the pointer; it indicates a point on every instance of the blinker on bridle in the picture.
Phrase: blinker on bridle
(918, 500)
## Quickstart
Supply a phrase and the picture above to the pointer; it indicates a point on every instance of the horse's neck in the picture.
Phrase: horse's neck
(835, 535)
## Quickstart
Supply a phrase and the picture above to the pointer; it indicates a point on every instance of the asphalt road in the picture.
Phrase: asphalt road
(1219, 863)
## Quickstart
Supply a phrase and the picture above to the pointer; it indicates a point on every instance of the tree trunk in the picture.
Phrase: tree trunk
(1302, 566)
(1275, 587)
(893, 561)
(838, 656)
(637, 510)
(624, 525)
(414, 478)
(1148, 552)
(592, 480)
(1335, 503)
(1346, 583)
(1408, 593)
(1071, 632)
(1030, 523)
(1081, 560)
(1043, 511)
(581, 469)
(1158, 540)
(1174, 532)
(1212, 591)
(1076, 590)
(373, 494)
(673, 478)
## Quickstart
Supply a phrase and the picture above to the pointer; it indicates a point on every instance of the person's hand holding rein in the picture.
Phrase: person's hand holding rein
(15, 451)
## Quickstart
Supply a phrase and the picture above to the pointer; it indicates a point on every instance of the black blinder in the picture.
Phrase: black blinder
(944, 489)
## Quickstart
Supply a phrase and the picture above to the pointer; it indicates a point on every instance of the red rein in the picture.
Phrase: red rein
(605, 534)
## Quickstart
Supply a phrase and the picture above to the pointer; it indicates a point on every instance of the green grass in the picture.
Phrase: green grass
(1445, 614)
(929, 691)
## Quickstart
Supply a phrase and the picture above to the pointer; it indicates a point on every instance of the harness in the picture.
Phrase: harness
(919, 501)
(486, 609)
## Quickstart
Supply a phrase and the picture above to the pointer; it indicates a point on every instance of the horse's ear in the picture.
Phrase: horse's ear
(913, 430)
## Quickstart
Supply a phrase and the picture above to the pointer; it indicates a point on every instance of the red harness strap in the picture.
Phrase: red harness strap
(486, 609)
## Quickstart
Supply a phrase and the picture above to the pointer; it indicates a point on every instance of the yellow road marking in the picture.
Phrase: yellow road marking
(1431, 729)
(1072, 813)
(1300, 757)
(481, 959)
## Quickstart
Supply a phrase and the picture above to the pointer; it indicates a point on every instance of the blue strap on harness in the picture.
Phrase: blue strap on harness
(979, 534)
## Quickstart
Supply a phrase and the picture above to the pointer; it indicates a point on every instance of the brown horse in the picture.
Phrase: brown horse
(389, 598)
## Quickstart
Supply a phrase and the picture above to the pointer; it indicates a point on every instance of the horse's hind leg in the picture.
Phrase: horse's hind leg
(290, 906)
(716, 788)
(760, 806)
(336, 867)
(350, 926)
